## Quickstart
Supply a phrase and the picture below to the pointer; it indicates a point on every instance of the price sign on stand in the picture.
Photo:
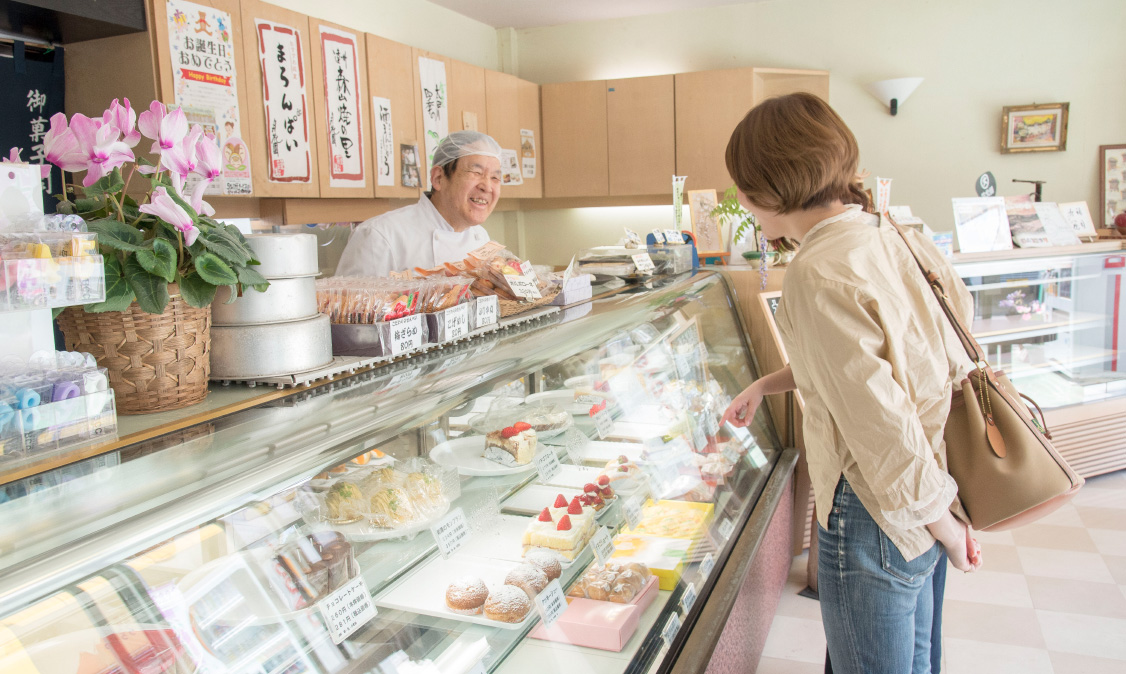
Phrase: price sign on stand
(674, 236)
(603, 423)
(488, 310)
(726, 528)
(707, 565)
(672, 626)
(632, 510)
(658, 237)
(643, 263)
(688, 598)
(711, 424)
(602, 545)
(547, 463)
(451, 532)
(406, 334)
(347, 610)
(551, 603)
(457, 321)
(524, 285)
(632, 236)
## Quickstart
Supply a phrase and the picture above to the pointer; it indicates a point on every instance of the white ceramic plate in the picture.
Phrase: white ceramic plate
(467, 455)
(532, 499)
(600, 451)
(501, 538)
(363, 531)
(574, 477)
(564, 399)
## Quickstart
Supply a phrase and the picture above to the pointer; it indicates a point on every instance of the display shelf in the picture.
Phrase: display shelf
(987, 330)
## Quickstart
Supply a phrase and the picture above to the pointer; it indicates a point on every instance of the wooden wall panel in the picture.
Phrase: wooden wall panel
(641, 135)
(575, 160)
(467, 95)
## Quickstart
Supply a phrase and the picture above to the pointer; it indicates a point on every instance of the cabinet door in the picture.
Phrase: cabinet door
(199, 65)
(390, 76)
(514, 104)
(641, 135)
(429, 111)
(574, 139)
(528, 114)
(467, 97)
(280, 101)
(708, 106)
(340, 107)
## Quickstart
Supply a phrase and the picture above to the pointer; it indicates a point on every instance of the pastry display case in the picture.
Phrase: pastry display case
(557, 496)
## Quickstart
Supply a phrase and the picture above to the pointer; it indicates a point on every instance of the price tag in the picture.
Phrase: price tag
(523, 286)
(632, 510)
(730, 453)
(488, 310)
(551, 603)
(347, 610)
(688, 598)
(457, 321)
(711, 425)
(603, 423)
(569, 272)
(658, 237)
(547, 463)
(451, 532)
(698, 438)
(602, 545)
(405, 376)
(672, 626)
(726, 528)
(632, 236)
(406, 334)
(674, 236)
(643, 263)
(756, 457)
(707, 565)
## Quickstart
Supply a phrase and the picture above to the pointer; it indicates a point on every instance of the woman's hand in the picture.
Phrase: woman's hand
(742, 410)
(961, 547)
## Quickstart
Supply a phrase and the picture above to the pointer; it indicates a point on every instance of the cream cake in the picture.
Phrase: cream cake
(514, 445)
(562, 530)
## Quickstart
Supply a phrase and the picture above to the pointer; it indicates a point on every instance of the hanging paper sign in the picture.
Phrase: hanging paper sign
(283, 88)
(488, 310)
(406, 334)
(384, 141)
(643, 263)
(347, 609)
(435, 113)
(528, 153)
(342, 108)
(205, 85)
(451, 532)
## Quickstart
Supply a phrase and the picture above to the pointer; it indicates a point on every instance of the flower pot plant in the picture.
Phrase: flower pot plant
(164, 255)
(730, 213)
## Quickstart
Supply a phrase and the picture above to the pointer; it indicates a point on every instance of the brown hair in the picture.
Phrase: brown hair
(794, 153)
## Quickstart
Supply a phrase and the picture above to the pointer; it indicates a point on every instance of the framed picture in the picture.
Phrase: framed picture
(705, 227)
(1112, 182)
(1034, 128)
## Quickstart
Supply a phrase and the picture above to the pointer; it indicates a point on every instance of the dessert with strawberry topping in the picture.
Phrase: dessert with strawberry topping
(563, 529)
(620, 473)
(513, 445)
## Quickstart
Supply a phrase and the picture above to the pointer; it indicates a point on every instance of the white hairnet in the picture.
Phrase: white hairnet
(464, 143)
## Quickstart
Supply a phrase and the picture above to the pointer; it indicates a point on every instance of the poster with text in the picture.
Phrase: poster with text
(284, 94)
(342, 109)
(204, 75)
(528, 153)
(384, 141)
(435, 115)
(510, 168)
(1028, 231)
(1078, 216)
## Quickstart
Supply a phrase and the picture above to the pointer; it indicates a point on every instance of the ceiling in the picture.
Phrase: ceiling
(535, 13)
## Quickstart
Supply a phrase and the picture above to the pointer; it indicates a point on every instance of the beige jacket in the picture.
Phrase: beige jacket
(874, 358)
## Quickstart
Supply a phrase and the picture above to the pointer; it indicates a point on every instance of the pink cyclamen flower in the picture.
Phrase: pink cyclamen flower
(124, 119)
(180, 160)
(99, 146)
(61, 147)
(173, 128)
(208, 158)
(165, 207)
(149, 123)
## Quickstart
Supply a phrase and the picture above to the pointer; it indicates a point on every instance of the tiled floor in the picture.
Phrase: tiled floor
(1050, 599)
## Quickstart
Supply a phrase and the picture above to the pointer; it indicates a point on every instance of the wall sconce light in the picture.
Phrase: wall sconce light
(893, 93)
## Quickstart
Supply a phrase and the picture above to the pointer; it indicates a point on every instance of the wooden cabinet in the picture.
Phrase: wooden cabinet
(390, 75)
(345, 165)
(466, 84)
(514, 104)
(641, 135)
(264, 128)
(710, 103)
(575, 159)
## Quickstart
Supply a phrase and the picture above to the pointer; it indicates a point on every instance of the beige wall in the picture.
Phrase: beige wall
(976, 57)
(414, 22)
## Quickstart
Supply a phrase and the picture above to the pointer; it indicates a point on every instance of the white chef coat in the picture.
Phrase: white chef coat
(405, 238)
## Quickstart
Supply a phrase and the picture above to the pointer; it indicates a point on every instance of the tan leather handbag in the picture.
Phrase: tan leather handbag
(1001, 456)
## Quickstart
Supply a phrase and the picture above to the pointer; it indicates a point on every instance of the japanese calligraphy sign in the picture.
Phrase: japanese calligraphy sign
(384, 141)
(435, 113)
(33, 92)
(204, 76)
(283, 85)
(342, 108)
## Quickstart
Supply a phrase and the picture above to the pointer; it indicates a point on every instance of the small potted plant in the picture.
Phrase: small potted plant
(164, 255)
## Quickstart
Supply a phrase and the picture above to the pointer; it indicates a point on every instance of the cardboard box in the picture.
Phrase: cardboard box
(599, 624)
(665, 557)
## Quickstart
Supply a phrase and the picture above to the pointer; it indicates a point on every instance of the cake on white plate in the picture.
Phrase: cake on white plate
(562, 531)
(513, 445)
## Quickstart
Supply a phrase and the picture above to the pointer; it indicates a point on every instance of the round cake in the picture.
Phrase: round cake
(466, 595)
(546, 562)
(508, 604)
(528, 578)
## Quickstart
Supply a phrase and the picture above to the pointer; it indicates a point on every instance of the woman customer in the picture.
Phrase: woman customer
(874, 359)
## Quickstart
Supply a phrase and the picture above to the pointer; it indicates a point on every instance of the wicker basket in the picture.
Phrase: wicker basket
(511, 307)
(156, 362)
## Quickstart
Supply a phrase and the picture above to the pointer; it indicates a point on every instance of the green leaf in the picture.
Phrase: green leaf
(214, 270)
(89, 204)
(195, 291)
(118, 293)
(161, 260)
(250, 278)
(150, 289)
(230, 253)
(232, 294)
(110, 184)
(64, 207)
(117, 234)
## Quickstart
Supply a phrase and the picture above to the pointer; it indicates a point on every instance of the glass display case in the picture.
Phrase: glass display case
(1052, 323)
(554, 496)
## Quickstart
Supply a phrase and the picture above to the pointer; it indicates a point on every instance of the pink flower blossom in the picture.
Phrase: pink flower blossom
(180, 160)
(172, 129)
(165, 207)
(61, 147)
(123, 118)
(149, 123)
(99, 146)
(208, 158)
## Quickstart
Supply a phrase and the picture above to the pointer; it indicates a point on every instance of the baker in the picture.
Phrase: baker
(444, 225)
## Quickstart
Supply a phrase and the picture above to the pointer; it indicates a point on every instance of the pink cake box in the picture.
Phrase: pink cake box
(604, 625)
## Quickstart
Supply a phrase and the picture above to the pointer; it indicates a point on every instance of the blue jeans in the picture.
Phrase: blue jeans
(882, 614)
